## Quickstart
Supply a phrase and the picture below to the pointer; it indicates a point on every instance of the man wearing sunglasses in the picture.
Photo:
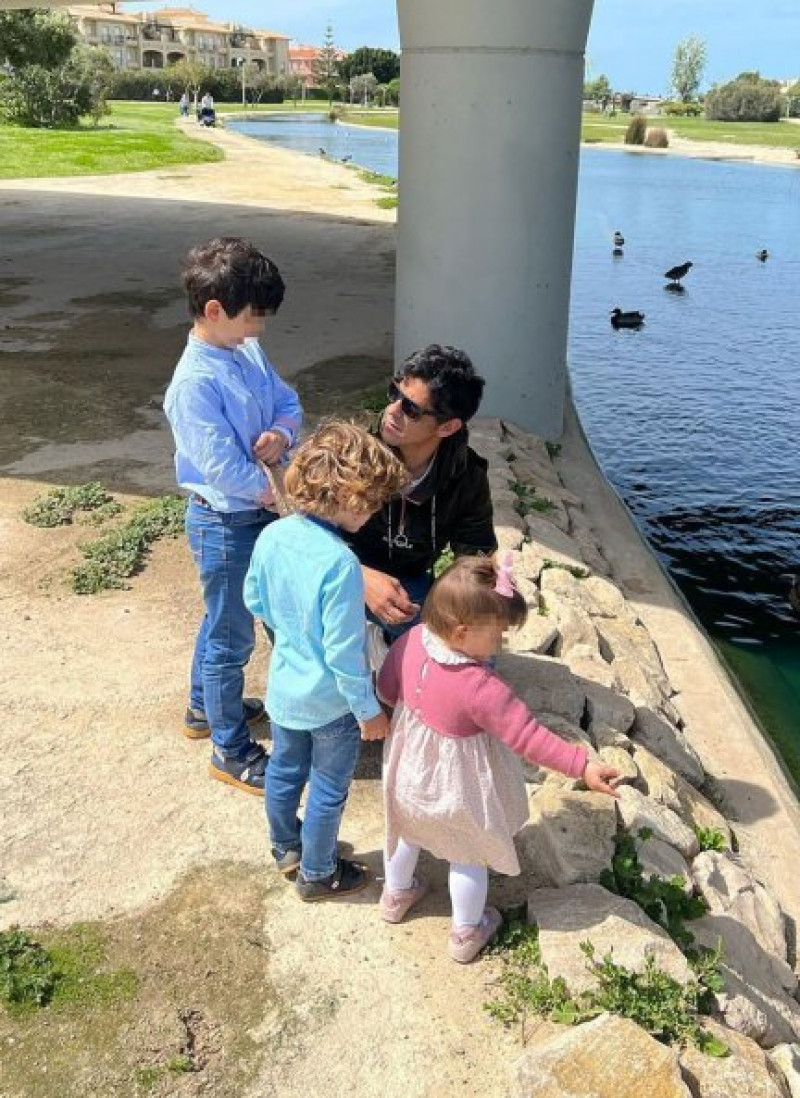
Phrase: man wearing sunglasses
(433, 395)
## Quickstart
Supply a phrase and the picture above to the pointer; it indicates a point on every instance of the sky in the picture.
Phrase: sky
(631, 41)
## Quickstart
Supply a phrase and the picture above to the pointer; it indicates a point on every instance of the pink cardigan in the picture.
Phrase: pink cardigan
(463, 699)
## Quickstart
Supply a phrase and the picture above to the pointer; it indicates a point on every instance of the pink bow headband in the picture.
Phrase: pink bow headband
(505, 578)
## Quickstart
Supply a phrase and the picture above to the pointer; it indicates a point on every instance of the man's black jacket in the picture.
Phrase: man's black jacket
(451, 506)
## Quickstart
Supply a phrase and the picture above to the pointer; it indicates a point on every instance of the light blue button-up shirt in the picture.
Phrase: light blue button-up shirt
(218, 403)
(307, 586)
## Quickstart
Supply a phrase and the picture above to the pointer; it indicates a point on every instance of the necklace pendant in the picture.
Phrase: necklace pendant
(401, 541)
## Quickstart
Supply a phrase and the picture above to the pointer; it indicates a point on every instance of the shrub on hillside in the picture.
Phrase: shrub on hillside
(636, 131)
(656, 138)
(748, 98)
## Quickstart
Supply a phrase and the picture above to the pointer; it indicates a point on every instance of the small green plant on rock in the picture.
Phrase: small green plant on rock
(664, 901)
(711, 838)
(553, 449)
(574, 569)
(528, 501)
(669, 1011)
(59, 506)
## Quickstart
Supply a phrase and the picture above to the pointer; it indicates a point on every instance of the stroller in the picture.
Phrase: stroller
(207, 116)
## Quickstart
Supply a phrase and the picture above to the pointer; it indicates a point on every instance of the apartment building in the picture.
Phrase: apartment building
(161, 37)
(303, 61)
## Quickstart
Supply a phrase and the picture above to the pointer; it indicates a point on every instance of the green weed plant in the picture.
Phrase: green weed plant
(59, 506)
(664, 901)
(120, 554)
(669, 1011)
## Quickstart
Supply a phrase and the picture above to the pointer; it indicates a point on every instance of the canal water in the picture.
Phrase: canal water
(694, 417)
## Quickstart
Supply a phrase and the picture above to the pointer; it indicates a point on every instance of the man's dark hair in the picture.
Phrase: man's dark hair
(456, 389)
(234, 273)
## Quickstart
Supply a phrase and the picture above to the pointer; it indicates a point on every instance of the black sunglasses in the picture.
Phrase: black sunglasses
(409, 408)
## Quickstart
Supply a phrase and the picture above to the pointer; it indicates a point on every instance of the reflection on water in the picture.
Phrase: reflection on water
(693, 417)
(370, 148)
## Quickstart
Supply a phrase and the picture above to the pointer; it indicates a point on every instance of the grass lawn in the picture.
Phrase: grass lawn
(780, 135)
(388, 119)
(133, 138)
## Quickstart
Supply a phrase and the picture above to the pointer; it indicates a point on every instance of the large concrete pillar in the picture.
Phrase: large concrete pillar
(489, 143)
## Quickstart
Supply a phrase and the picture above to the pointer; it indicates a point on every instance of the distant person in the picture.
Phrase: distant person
(207, 112)
(451, 781)
(156, 93)
(184, 105)
(306, 585)
(229, 412)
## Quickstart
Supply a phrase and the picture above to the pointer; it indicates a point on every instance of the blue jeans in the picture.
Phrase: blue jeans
(417, 588)
(326, 758)
(222, 545)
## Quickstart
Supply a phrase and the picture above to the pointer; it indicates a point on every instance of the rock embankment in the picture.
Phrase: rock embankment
(590, 669)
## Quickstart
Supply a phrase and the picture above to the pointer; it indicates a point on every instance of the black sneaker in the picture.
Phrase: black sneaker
(245, 772)
(195, 725)
(348, 877)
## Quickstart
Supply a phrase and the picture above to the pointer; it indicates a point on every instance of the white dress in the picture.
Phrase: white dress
(461, 798)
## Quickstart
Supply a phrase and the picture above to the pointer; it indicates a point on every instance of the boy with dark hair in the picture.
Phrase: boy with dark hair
(229, 412)
(447, 502)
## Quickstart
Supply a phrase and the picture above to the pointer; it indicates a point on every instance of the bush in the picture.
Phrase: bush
(746, 99)
(636, 131)
(682, 110)
(225, 85)
(656, 138)
(48, 98)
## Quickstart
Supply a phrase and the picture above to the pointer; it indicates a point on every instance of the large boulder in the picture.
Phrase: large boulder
(620, 638)
(635, 680)
(539, 634)
(566, 917)
(570, 836)
(754, 1000)
(605, 735)
(548, 546)
(609, 1057)
(584, 535)
(664, 785)
(638, 812)
(730, 889)
(668, 744)
(605, 705)
(585, 661)
(574, 627)
(786, 1059)
(546, 685)
(746, 1072)
(659, 859)
(620, 760)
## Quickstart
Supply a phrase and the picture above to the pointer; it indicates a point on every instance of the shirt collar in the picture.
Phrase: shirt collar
(223, 354)
(439, 651)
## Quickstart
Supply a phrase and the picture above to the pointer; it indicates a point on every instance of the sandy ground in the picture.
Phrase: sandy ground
(105, 804)
(707, 150)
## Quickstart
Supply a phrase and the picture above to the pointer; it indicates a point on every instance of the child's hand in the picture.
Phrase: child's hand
(375, 729)
(601, 779)
(269, 446)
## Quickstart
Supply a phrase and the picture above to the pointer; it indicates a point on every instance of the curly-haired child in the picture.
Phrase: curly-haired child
(306, 584)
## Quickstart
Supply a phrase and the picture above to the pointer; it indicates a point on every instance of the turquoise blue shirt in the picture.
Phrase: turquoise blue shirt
(307, 586)
(218, 403)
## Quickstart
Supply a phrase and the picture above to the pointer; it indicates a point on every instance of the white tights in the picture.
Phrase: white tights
(468, 884)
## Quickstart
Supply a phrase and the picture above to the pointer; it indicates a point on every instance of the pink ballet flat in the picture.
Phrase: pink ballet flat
(466, 943)
(394, 906)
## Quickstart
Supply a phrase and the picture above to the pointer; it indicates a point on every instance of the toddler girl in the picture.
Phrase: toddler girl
(452, 783)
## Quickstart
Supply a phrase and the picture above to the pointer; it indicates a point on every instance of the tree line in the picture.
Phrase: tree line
(749, 97)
